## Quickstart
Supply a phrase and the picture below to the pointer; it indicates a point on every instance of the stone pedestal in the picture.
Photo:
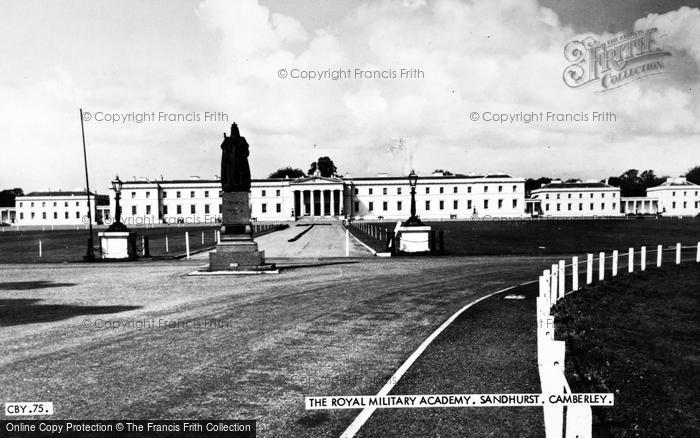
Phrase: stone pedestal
(413, 239)
(117, 245)
(237, 251)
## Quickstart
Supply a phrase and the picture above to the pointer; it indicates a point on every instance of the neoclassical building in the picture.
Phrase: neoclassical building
(60, 208)
(198, 201)
(571, 199)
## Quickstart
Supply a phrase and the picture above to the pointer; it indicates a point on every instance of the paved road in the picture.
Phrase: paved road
(222, 347)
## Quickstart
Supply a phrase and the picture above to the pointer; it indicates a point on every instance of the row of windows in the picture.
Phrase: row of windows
(66, 215)
(591, 206)
(178, 209)
(685, 204)
(441, 190)
(55, 204)
(580, 195)
(441, 205)
(178, 194)
(685, 193)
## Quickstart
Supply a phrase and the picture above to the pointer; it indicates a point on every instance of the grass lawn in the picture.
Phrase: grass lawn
(555, 236)
(71, 245)
(638, 337)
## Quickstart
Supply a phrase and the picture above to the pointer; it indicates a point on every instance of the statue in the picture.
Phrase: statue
(235, 171)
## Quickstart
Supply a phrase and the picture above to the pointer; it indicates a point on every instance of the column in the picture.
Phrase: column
(333, 197)
(323, 202)
(304, 210)
(313, 203)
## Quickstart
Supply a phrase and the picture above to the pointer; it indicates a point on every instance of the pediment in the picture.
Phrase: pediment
(309, 180)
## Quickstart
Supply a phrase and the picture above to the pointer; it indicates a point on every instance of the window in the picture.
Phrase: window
(613, 195)
(486, 204)
(54, 204)
(602, 205)
(148, 195)
(591, 207)
(77, 215)
(21, 204)
(442, 190)
(580, 195)
(399, 205)
(77, 204)
(371, 190)
(500, 189)
(546, 207)
(206, 208)
(454, 189)
(278, 207)
(357, 206)
(591, 195)
(206, 193)
(469, 204)
(165, 209)
(177, 194)
(263, 193)
(21, 216)
(278, 193)
(133, 195)
(192, 194)
(384, 191)
(32, 204)
(442, 204)
(515, 203)
(148, 209)
(371, 206)
(43, 215)
(685, 204)
(455, 204)
(673, 205)
(43, 204)
(385, 206)
(580, 206)
(469, 189)
(66, 215)
(558, 207)
(34, 215)
(357, 191)
(569, 196)
(398, 190)
(55, 215)
(219, 208)
(486, 189)
(568, 206)
(500, 203)
(602, 195)
(165, 194)
(427, 190)
(427, 205)
(613, 206)
(264, 208)
(193, 209)
(133, 210)
(515, 189)
(178, 209)
(558, 195)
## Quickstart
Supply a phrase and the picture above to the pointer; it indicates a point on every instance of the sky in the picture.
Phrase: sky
(189, 58)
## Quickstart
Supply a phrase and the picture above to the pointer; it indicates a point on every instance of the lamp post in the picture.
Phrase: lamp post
(117, 225)
(413, 221)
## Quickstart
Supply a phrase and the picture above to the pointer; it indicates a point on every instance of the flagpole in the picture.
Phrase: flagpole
(90, 256)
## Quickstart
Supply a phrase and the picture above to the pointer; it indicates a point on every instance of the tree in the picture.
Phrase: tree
(325, 165)
(533, 184)
(287, 172)
(7, 197)
(693, 175)
(444, 172)
(649, 179)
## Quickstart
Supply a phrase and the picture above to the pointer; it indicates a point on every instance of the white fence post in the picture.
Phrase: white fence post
(574, 273)
(697, 256)
(547, 281)
(643, 262)
(39, 248)
(562, 279)
(554, 285)
(678, 253)
(187, 244)
(601, 266)
(202, 237)
(630, 260)
(589, 268)
(614, 263)
(659, 252)
(143, 246)
(166, 243)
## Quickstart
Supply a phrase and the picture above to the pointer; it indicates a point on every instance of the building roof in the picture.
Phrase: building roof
(674, 182)
(576, 185)
(58, 193)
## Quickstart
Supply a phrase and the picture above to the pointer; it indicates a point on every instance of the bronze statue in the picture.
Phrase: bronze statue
(235, 171)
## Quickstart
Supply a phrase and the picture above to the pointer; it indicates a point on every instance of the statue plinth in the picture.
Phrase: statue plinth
(237, 251)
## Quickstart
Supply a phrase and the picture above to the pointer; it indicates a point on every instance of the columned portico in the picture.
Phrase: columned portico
(318, 197)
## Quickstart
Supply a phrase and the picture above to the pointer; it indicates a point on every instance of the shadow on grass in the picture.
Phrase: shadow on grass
(28, 285)
(20, 311)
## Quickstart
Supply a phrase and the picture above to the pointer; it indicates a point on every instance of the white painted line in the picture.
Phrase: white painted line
(367, 412)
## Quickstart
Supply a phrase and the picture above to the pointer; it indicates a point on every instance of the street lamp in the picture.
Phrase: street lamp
(117, 225)
(413, 220)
